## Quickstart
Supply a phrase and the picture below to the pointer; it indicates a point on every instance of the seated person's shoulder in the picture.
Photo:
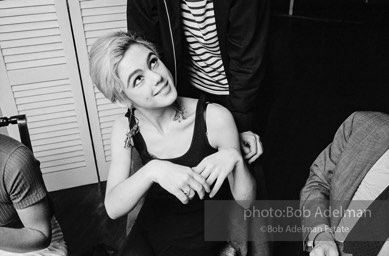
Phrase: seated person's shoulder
(119, 131)
(219, 115)
(15, 156)
(120, 123)
(9, 145)
(370, 120)
(221, 126)
(365, 116)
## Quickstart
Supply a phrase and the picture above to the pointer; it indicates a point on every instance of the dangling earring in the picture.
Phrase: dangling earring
(129, 142)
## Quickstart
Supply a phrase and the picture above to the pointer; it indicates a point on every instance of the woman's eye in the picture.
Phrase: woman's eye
(153, 62)
(137, 80)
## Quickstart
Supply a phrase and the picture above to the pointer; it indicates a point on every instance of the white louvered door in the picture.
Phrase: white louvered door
(39, 77)
(91, 19)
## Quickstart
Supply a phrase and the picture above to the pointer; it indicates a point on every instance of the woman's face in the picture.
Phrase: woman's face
(147, 82)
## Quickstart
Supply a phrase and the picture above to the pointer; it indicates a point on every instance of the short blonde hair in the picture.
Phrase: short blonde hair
(104, 58)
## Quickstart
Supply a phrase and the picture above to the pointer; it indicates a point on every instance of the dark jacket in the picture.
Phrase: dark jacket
(242, 27)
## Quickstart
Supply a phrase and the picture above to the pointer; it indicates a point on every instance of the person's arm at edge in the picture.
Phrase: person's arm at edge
(27, 192)
(36, 233)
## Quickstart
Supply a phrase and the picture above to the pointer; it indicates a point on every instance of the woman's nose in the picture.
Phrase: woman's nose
(156, 77)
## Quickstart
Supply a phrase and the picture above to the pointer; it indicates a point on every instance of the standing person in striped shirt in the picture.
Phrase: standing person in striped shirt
(212, 47)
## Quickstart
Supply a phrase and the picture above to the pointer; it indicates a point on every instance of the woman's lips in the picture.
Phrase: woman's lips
(165, 86)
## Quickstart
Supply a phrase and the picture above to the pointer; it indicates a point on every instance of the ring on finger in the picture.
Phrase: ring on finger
(187, 191)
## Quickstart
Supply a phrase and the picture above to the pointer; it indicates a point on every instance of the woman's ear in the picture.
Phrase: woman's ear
(123, 104)
(124, 101)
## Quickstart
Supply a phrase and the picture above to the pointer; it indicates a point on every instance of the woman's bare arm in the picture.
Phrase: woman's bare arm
(228, 161)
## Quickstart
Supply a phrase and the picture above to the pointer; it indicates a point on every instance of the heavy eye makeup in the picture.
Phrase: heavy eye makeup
(136, 79)
(153, 61)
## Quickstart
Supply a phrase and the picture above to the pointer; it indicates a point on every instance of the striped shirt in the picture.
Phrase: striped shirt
(205, 65)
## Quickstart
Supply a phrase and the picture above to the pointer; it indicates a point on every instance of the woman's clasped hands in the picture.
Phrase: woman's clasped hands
(179, 180)
(215, 168)
(184, 182)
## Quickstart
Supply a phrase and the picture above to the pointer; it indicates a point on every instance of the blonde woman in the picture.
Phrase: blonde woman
(190, 151)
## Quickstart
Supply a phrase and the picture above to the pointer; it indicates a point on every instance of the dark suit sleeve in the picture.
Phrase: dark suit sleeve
(247, 36)
(142, 19)
(315, 194)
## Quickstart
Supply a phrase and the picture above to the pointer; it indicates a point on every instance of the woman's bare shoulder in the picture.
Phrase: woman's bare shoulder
(218, 115)
(120, 127)
(221, 127)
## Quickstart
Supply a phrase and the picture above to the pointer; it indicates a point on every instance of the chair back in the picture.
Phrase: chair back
(21, 121)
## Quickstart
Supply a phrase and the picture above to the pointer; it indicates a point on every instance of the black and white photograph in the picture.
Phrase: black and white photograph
(194, 128)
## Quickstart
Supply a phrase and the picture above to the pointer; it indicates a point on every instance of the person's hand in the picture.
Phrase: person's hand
(251, 146)
(324, 246)
(179, 180)
(216, 167)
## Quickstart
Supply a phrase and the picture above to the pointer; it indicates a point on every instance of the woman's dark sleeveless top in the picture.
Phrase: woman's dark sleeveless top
(163, 217)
